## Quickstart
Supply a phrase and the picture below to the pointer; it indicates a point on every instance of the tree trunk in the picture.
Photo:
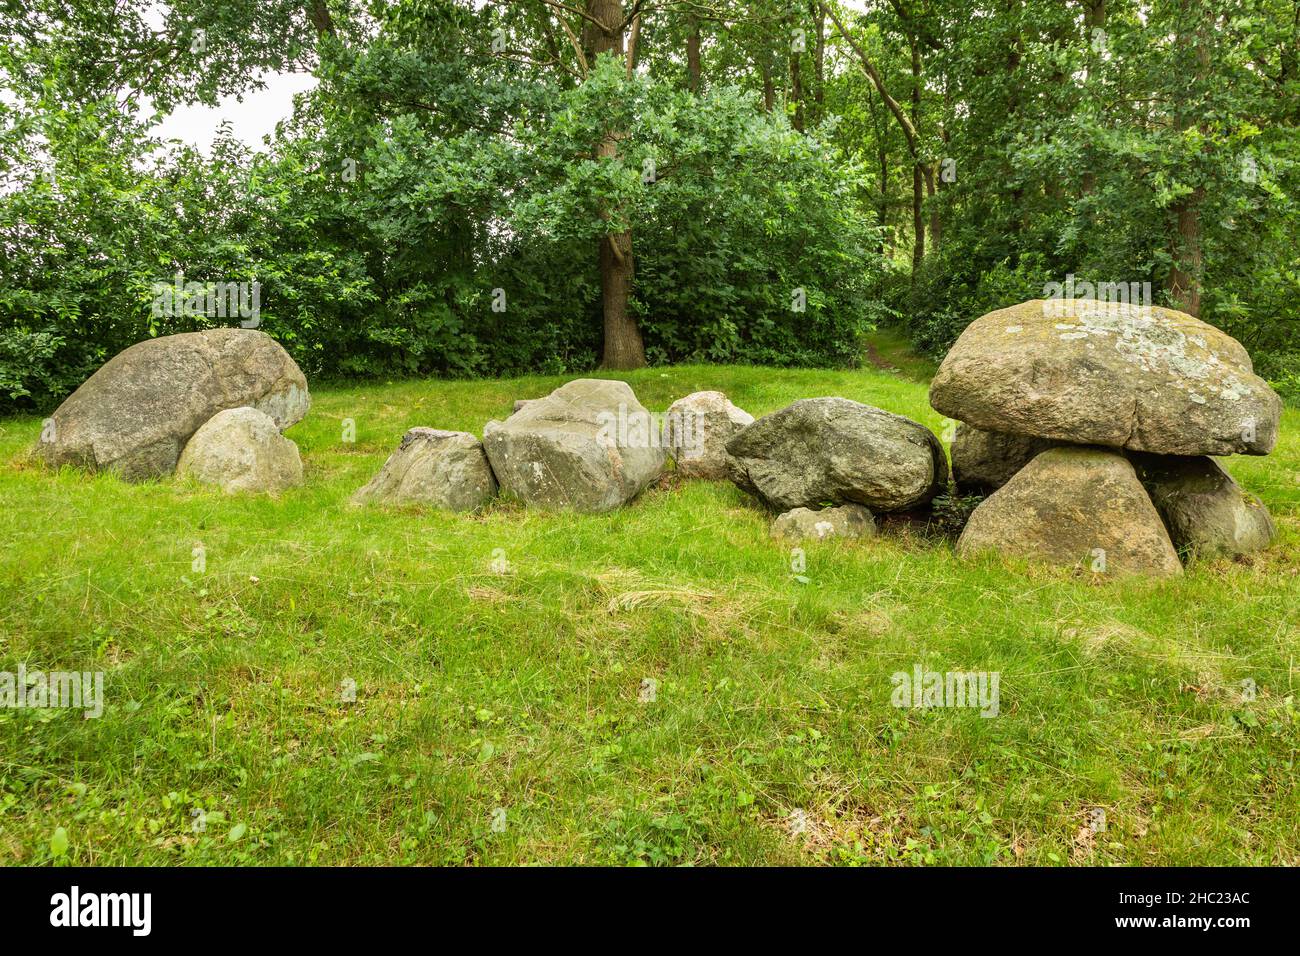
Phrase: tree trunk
(1015, 50)
(769, 88)
(693, 69)
(602, 28)
(936, 226)
(623, 347)
(796, 85)
(819, 61)
(1184, 277)
(796, 90)
(921, 173)
(883, 202)
(1185, 273)
(905, 124)
(319, 15)
(918, 218)
(1094, 18)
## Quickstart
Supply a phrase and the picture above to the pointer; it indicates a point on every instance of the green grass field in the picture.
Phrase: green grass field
(771, 738)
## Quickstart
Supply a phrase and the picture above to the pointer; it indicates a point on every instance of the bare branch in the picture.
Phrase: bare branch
(909, 131)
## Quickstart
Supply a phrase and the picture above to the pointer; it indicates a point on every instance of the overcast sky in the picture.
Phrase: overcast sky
(251, 119)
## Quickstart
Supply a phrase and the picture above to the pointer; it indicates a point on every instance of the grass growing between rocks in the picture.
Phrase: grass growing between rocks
(771, 738)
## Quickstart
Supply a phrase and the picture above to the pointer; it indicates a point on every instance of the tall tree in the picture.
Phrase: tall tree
(1194, 24)
(905, 124)
(603, 34)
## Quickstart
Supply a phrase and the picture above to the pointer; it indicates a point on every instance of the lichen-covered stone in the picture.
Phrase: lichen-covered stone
(589, 446)
(241, 450)
(697, 429)
(821, 451)
(846, 521)
(135, 414)
(1124, 376)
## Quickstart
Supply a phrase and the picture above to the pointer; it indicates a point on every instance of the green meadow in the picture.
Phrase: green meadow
(298, 681)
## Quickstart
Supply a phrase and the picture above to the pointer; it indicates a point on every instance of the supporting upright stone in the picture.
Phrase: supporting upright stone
(1207, 513)
(1075, 506)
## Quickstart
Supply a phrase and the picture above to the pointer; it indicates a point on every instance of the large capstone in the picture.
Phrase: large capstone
(821, 451)
(589, 446)
(1074, 506)
(1125, 376)
(440, 469)
(136, 413)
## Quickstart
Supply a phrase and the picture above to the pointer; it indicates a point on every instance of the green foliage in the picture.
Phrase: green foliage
(748, 248)
(435, 204)
(30, 367)
(429, 209)
(1109, 141)
(953, 287)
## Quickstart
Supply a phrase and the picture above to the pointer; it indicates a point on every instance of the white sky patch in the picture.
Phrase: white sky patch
(251, 120)
(252, 114)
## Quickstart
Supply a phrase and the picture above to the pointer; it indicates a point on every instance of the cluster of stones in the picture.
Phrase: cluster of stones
(208, 405)
(212, 406)
(1090, 427)
(590, 446)
(826, 465)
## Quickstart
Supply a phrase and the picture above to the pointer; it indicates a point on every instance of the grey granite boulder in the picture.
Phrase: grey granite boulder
(441, 469)
(1125, 376)
(241, 450)
(697, 429)
(984, 461)
(1074, 506)
(135, 414)
(821, 451)
(846, 521)
(1207, 513)
(589, 446)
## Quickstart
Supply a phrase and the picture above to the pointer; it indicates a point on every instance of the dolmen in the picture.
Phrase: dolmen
(1090, 430)
(1093, 428)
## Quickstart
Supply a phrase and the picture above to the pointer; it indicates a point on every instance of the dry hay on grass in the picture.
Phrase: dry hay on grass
(859, 830)
(874, 620)
(691, 599)
(625, 590)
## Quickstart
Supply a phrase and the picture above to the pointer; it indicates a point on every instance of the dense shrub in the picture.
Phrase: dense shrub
(747, 249)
